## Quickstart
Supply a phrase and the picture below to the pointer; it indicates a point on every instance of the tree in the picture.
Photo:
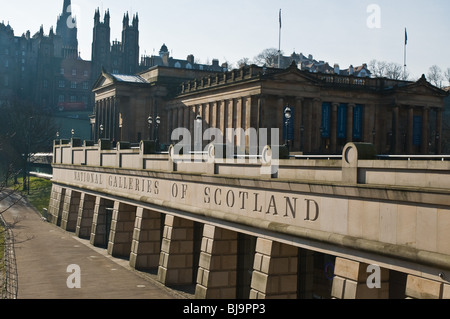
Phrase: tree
(447, 75)
(268, 57)
(435, 75)
(390, 70)
(24, 130)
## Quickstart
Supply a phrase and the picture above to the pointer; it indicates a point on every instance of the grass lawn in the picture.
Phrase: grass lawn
(39, 195)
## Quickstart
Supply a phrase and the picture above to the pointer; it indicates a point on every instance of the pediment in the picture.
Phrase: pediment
(293, 74)
(103, 80)
(422, 87)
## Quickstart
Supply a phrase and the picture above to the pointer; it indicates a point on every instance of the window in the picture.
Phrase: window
(73, 85)
(86, 73)
(85, 85)
(74, 72)
(45, 84)
(61, 98)
(61, 84)
(73, 98)
(61, 71)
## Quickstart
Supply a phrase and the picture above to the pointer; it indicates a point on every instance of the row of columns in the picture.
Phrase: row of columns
(107, 117)
(230, 113)
(390, 129)
(169, 243)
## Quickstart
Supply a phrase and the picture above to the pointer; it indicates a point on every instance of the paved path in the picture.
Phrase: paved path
(44, 251)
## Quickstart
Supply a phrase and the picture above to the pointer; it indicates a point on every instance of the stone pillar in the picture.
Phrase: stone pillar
(425, 130)
(99, 229)
(409, 134)
(177, 250)
(70, 210)
(56, 204)
(299, 139)
(122, 227)
(350, 108)
(333, 128)
(422, 288)
(350, 281)
(217, 274)
(146, 246)
(396, 130)
(85, 216)
(275, 271)
(439, 131)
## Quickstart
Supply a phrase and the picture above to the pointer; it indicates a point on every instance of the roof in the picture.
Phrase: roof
(128, 78)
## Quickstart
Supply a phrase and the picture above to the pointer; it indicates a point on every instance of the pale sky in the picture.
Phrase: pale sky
(336, 31)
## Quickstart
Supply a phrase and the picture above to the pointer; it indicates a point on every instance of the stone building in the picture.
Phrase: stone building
(328, 111)
(45, 70)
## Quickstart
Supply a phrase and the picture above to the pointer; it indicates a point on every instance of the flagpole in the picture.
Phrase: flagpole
(279, 44)
(404, 64)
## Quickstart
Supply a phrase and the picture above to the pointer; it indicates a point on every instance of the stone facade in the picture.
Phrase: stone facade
(328, 110)
(227, 230)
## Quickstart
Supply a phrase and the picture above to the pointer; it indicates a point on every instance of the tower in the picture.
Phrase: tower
(130, 45)
(66, 28)
(101, 53)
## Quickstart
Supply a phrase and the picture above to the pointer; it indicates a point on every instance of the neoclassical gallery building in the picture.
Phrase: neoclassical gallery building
(327, 110)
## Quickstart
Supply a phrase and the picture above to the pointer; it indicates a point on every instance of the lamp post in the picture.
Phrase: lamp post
(157, 122)
(287, 116)
(150, 123)
(102, 128)
(302, 130)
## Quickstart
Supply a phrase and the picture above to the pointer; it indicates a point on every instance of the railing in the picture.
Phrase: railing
(356, 165)
(8, 276)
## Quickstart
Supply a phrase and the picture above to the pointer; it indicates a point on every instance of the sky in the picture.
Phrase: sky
(346, 32)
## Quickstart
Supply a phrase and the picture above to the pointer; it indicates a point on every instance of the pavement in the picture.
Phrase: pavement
(50, 260)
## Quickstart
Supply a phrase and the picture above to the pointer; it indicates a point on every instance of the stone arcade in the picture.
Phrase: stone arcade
(314, 229)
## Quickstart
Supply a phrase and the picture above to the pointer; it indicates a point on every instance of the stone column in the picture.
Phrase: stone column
(280, 121)
(70, 210)
(313, 114)
(146, 246)
(56, 204)
(425, 130)
(122, 227)
(275, 271)
(350, 281)
(409, 134)
(350, 108)
(217, 274)
(333, 128)
(396, 130)
(99, 235)
(177, 250)
(422, 288)
(85, 216)
(439, 131)
(299, 136)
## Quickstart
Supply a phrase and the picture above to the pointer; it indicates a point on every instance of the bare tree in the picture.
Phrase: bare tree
(268, 57)
(435, 75)
(390, 70)
(447, 75)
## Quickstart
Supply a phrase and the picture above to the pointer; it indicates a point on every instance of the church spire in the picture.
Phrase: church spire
(66, 27)
(66, 7)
